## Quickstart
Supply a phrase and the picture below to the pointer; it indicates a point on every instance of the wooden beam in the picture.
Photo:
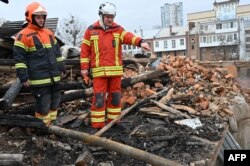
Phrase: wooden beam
(7, 100)
(114, 146)
(11, 159)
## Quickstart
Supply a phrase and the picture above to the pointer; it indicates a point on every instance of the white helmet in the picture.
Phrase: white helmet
(107, 8)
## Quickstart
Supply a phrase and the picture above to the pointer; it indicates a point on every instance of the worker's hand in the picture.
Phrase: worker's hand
(26, 84)
(145, 46)
(84, 73)
(63, 75)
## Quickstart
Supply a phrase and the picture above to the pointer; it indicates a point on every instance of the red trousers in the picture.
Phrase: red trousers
(106, 102)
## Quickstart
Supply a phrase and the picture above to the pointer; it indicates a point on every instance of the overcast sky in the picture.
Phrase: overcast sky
(131, 14)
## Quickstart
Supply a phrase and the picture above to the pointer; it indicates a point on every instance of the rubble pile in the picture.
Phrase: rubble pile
(195, 89)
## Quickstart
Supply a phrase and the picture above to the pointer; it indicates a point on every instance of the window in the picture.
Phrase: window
(219, 26)
(209, 39)
(204, 39)
(231, 24)
(226, 25)
(182, 42)
(223, 37)
(192, 41)
(156, 44)
(235, 36)
(234, 51)
(129, 47)
(125, 47)
(229, 37)
(214, 38)
(173, 44)
(218, 37)
(201, 41)
(248, 73)
(165, 44)
(192, 47)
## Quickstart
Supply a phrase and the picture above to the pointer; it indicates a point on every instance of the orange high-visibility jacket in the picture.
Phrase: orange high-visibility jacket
(101, 49)
(38, 57)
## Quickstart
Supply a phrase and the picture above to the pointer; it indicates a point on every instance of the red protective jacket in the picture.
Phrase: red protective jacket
(101, 49)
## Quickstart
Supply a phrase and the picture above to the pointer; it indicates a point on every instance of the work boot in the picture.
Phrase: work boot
(53, 114)
(98, 125)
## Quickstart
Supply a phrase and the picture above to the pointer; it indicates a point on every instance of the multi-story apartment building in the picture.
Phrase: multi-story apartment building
(220, 40)
(172, 14)
(222, 32)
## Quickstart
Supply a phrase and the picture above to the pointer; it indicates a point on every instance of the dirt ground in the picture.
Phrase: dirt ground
(136, 129)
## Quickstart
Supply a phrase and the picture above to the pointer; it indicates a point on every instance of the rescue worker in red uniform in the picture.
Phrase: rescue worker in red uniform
(39, 63)
(101, 51)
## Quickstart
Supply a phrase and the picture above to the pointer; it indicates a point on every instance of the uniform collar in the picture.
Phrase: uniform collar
(32, 26)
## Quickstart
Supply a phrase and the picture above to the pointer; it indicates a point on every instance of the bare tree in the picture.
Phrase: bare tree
(71, 30)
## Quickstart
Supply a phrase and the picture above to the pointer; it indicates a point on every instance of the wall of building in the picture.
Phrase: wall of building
(193, 49)
(201, 16)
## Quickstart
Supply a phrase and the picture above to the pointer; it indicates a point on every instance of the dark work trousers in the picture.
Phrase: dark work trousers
(47, 98)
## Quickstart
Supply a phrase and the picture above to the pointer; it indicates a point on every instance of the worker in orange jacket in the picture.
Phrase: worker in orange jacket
(102, 52)
(39, 63)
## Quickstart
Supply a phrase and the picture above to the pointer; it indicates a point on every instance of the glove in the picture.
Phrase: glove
(84, 73)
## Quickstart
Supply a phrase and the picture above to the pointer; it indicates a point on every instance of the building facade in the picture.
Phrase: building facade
(170, 41)
(172, 14)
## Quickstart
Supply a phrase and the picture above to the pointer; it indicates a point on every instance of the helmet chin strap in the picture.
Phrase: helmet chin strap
(102, 22)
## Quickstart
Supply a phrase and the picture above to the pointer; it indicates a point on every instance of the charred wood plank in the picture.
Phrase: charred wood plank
(79, 120)
(143, 61)
(167, 97)
(140, 78)
(63, 86)
(7, 100)
(78, 94)
(71, 85)
(7, 62)
(85, 159)
(170, 109)
(184, 108)
(11, 159)
(26, 121)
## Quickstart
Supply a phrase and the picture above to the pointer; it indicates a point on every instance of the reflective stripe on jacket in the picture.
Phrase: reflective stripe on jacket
(37, 55)
(101, 49)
